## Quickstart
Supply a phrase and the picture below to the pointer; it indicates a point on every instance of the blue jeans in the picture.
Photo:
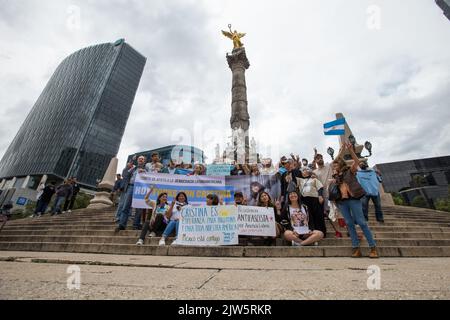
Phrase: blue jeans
(352, 212)
(125, 210)
(137, 218)
(58, 203)
(376, 202)
(120, 205)
(41, 207)
(173, 224)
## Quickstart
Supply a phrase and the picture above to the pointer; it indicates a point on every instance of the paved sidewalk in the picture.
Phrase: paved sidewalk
(39, 275)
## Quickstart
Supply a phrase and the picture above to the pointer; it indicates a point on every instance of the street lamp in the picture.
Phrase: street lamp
(330, 151)
(368, 146)
(352, 140)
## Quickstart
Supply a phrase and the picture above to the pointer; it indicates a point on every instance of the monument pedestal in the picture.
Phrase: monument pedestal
(102, 198)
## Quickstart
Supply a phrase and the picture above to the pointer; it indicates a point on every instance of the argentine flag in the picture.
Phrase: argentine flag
(335, 128)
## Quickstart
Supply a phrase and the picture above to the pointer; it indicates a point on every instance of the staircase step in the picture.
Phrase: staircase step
(235, 251)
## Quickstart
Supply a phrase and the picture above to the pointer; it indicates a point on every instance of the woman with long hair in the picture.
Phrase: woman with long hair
(311, 191)
(296, 219)
(174, 214)
(264, 200)
(157, 219)
(350, 203)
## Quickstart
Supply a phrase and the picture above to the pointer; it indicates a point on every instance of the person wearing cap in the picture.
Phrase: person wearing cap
(239, 199)
(311, 190)
(289, 177)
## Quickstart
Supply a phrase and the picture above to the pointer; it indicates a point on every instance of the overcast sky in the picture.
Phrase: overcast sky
(384, 64)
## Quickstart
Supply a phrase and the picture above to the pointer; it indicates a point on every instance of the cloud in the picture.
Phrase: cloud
(309, 60)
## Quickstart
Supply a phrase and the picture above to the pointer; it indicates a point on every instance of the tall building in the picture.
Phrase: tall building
(77, 123)
(177, 153)
(429, 178)
(445, 6)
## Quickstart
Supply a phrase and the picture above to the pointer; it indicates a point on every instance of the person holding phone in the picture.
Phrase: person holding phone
(174, 214)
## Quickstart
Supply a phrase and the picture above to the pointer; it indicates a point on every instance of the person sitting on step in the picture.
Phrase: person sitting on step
(157, 219)
(296, 219)
(174, 214)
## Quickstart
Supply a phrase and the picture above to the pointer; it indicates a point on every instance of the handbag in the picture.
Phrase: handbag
(334, 193)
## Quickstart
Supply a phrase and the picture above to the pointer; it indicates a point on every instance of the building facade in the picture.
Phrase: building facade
(445, 6)
(429, 178)
(177, 153)
(77, 123)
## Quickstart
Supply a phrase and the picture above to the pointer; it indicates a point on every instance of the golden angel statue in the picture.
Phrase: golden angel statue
(235, 36)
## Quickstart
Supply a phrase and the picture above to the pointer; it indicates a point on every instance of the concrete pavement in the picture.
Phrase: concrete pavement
(41, 275)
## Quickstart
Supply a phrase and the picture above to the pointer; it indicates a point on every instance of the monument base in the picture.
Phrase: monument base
(101, 200)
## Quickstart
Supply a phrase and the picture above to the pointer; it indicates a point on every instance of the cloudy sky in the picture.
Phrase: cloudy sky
(384, 64)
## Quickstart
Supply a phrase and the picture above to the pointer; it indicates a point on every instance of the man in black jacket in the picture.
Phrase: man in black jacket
(68, 205)
(44, 200)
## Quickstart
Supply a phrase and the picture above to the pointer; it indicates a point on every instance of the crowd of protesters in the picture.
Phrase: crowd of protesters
(310, 194)
(65, 196)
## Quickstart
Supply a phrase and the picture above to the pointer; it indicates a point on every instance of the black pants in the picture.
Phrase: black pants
(317, 219)
(68, 205)
(158, 226)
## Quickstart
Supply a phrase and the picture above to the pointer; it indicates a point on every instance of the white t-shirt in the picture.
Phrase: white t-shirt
(309, 187)
(176, 212)
(299, 220)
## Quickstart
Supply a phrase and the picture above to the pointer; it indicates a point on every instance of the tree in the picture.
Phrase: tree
(398, 199)
(419, 202)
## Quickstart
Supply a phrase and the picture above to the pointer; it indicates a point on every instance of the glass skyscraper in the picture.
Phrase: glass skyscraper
(77, 123)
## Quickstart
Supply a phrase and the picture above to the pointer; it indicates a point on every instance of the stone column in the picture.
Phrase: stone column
(102, 198)
(240, 119)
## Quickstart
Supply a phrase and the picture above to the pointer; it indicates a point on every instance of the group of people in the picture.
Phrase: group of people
(310, 193)
(66, 194)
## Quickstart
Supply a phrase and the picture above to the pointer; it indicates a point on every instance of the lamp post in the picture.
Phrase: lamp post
(330, 151)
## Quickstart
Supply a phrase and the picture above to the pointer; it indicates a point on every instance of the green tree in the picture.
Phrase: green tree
(398, 199)
(442, 204)
(419, 202)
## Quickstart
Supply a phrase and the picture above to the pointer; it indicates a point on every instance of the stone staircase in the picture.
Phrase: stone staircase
(407, 232)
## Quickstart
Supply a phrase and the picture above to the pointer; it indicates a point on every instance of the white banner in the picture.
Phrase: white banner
(208, 226)
(256, 221)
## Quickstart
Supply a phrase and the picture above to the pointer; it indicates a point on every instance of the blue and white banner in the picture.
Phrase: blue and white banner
(335, 128)
(148, 186)
(218, 169)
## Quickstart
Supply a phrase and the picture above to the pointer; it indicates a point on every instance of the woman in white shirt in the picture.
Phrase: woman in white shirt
(174, 214)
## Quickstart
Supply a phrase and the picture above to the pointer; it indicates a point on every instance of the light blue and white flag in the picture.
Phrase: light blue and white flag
(335, 128)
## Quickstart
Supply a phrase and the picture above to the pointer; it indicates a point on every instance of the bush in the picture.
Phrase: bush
(443, 204)
(82, 201)
(398, 199)
(419, 202)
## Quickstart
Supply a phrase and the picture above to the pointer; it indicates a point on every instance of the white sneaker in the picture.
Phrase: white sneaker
(140, 242)
(152, 235)
(69, 211)
(316, 244)
(296, 244)
(174, 243)
(162, 242)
